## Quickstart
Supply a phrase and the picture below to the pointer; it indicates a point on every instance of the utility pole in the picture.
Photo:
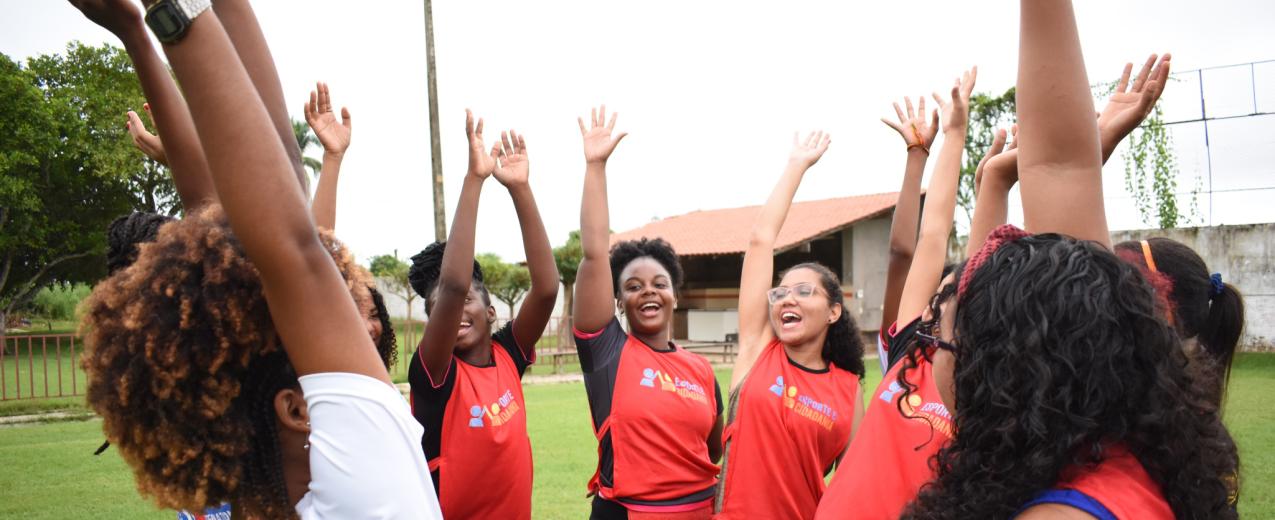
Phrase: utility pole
(436, 154)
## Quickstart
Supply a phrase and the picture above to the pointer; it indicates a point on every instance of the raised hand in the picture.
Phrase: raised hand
(1130, 104)
(481, 164)
(956, 109)
(145, 141)
(912, 126)
(808, 151)
(117, 16)
(333, 135)
(511, 159)
(598, 141)
(1001, 161)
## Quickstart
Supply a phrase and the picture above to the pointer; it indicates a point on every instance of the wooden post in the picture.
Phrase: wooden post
(436, 154)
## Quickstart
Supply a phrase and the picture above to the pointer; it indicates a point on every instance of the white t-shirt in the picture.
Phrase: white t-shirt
(365, 452)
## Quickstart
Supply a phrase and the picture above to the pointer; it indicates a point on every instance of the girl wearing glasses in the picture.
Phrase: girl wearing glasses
(656, 407)
(795, 386)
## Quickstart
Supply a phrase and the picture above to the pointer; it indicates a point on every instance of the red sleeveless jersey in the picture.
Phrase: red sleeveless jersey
(889, 458)
(653, 413)
(1121, 485)
(482, 462)
(790, 425)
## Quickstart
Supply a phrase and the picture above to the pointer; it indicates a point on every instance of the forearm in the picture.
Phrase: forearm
(176, 130)
(1055, 104)
(535, 243)
(595, 219)
(594, 291)
(991, 211)
(773, 213)
(940, 198)
(907, 208)
(324, 206)
(458, 259)
(250, 44)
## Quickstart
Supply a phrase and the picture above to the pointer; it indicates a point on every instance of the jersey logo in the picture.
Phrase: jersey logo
(497, 413)
(475, 416)
(803, 405)
(212, 513)
(888, 394)
(684, 388)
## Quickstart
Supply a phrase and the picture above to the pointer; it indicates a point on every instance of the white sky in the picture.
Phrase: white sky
(709, 91)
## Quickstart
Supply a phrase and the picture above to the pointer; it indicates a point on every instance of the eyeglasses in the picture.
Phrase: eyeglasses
(936, 342)
(801, 291)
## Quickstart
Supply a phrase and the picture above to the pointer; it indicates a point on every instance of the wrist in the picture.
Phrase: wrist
(518, 188)
(959, 129)
(598, 163)
(333, 155)
(918, 151)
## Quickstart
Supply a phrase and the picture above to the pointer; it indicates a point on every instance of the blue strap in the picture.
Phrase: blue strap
(1073, 498)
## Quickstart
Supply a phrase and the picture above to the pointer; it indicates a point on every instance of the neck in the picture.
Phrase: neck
(658, 340)
(479, 355)
(296, 466)
(808, 354)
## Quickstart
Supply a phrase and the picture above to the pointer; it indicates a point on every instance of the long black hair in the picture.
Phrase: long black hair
(1202, 305)
(125, 234)
(915, 350)
(843, 346)
(384, 346)
(1061, 354)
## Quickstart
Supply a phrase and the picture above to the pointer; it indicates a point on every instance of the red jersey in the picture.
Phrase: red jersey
(891, 455)
(1118, 487)
(476, 432)
(653, 411)
(790, 425)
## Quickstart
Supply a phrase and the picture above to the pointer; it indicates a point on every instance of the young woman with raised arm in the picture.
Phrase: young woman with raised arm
(466, 378)
(795, 395)
(281, 408)
(656, 408)
(1071, 396)
(906, 422)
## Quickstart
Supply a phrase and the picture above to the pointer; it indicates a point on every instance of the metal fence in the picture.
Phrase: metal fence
(40, 366)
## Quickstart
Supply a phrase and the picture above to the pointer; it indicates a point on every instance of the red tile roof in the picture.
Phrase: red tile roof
(725, 231)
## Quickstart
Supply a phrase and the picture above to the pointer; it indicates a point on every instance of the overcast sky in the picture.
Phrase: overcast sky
(710, 93)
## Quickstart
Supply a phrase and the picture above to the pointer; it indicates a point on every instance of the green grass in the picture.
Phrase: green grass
(39, 373)
(44, 465)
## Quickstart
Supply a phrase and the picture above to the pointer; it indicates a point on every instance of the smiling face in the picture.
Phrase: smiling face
(646, 296)
(475, 319)
(798, 319)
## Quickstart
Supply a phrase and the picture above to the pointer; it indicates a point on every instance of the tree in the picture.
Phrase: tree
(305, 140)
(393, 273)
(1151, 173)
(988, 113)
(67, 168)
(568, 258)
(506, 282)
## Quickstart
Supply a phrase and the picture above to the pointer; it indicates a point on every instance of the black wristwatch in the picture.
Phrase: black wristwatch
(170, 19)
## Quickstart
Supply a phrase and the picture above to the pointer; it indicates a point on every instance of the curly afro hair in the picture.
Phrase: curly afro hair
(426, 267)
(183, 364)
(126, 233)
(624, 253)
(843, 346)
(385, 345)
(1062, 353)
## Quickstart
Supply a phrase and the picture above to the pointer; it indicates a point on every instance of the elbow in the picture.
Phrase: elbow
(761, 240)
(901, 251)
(449, 288)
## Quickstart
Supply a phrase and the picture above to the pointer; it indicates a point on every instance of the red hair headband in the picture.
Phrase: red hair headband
(1003, 234)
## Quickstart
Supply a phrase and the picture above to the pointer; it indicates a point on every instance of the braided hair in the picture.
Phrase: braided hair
(426, 268)
(126, 233)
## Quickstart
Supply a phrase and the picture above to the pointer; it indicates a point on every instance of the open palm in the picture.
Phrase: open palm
(512, 167)
(480, 163)
(334, 135)
(598, 139)
(808, 151)
(913, 126)
(1129, 104)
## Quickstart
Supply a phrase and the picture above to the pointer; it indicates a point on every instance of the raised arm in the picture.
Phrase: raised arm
(183, 155)
(1060, 161)
(335, 137)
(940, 202)
(250, 44)
(1129, 105)
(759, 260)
(595, 297)
(996, 174)
(512, 170)
(267, 213)
(918, 136)
(457, 270)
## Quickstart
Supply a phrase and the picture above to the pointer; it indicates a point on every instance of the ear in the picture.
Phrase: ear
(834, 313)
(619, 307)
(491, 314)
(291, 410)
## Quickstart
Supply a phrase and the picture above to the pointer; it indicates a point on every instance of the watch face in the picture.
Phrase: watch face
(166, 21)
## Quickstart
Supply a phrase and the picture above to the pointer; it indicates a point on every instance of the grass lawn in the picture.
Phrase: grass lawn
(48, 470)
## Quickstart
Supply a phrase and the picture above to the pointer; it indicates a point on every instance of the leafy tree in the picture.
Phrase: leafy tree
(506, 282)
(988, 113)
(393, 273)
(306, 140)
(568, 258)
(67, 168)
(1151, 173)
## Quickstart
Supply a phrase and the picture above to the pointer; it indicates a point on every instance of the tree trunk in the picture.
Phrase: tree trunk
(564, 323)
(511, 310)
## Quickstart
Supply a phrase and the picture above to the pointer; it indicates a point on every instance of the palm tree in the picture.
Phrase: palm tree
(305, 140)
